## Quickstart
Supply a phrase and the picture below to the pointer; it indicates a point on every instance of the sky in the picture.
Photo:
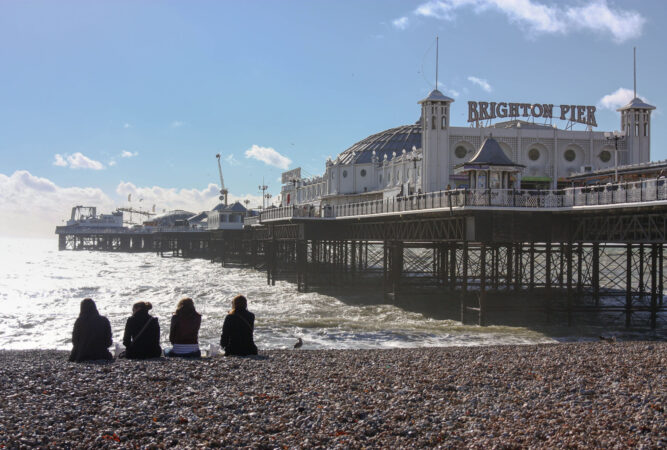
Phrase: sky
(109, 99)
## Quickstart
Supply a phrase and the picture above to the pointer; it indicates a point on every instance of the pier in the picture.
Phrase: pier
(597, 249)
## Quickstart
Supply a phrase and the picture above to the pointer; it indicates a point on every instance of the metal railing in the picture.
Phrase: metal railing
(610, 194)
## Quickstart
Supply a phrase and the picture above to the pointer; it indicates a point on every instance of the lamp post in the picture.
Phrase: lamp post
(615, 136)
(263, 188)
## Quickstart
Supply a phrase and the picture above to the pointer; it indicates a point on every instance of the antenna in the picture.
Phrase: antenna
(634, 57)
(436, 61)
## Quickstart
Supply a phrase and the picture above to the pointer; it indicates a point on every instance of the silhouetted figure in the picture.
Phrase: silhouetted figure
(184, 330)
(238, 328)
(142, 333)
(91, 337)
(299, 343)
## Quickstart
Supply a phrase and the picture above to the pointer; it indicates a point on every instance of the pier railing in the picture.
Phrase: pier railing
(598, 195)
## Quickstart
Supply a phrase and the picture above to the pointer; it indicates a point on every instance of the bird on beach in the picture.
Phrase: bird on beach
(299, 343)
(608, 339)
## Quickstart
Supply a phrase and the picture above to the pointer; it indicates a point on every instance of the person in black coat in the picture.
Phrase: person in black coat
(91, 337)
(142, 333)
(238, 328)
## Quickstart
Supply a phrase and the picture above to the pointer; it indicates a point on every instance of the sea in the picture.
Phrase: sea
(41, 289)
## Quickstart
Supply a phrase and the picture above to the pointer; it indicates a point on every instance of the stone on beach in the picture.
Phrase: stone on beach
(579, 394)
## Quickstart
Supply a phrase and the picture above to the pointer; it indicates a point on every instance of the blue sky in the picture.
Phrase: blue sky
(102, 99)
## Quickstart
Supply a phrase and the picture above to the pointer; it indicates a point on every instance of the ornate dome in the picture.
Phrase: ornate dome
(384, 143)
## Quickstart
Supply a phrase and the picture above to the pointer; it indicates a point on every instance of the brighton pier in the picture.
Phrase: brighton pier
(596, 249)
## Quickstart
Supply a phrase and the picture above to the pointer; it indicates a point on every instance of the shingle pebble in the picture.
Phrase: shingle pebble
(593, 395)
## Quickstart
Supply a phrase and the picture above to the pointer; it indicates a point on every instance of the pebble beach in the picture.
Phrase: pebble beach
(593, 395)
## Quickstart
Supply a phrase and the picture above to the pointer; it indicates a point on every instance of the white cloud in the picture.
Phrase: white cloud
(177, 124)
(620, 97)
(481, 83)
(231, 160)
(597, 16)
(193, 200)
(126, 154)
(452, 92)
(537, 17)
(268, 156)
(77, 161)
(401, 23)
(59, 160)
(127, 125)
(112, 163)
(34, 206)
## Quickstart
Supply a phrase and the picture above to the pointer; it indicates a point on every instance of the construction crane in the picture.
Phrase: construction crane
(223, 190)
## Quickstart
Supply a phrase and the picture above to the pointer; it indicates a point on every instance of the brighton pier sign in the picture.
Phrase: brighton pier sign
(478, 111)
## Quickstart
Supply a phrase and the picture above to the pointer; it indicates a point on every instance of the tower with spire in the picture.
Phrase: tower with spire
(435, 114)
(636, 125)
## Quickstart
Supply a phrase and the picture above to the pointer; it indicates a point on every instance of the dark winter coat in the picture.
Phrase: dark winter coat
(147, 345)
(184, 329)
(237, 333)
(91, 338)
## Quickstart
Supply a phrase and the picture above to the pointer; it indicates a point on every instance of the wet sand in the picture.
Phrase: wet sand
(604, 395)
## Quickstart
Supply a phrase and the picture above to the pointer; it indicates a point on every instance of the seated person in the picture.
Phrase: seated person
(184, 330)
(142, 333)
(91, 337)
(237, 330)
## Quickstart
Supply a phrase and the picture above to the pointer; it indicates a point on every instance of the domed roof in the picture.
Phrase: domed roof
(385, 143)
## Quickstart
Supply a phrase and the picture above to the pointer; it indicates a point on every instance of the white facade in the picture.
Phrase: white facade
(422, 157)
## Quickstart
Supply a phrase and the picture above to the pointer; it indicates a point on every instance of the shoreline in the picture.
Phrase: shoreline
(592, 394)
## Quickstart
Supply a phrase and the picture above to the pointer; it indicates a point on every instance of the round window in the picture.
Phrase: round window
(363, 172)
(460, 152)
(344, 173)
(570, 155)
(534, 154)
(605, 156)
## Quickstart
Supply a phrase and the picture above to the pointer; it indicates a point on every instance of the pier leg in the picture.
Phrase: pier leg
(547, 281)
(580, 257)
(641, 271)
(518, 272)
(482, 285)
(596, 273)
(628, 285)
(452, 267)
(568, 255)
(531, 284)
(508, 277)
(654, 285)
(464, 279)
(661, 274)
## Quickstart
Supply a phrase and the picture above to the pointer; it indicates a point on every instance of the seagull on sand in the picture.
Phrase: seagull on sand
(299, 343)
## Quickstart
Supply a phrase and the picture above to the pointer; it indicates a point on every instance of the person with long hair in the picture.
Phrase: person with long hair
(184, 330)
(238, 328)
(91, 337)
(142, 333)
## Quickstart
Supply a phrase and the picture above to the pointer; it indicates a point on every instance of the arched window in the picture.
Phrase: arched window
(433, 122)
(645, 128)
(443, 122)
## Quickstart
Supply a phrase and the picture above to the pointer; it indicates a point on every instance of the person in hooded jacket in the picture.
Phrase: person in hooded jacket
(91, 337)
(184, 330)
(142, 333)
(238, 328)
